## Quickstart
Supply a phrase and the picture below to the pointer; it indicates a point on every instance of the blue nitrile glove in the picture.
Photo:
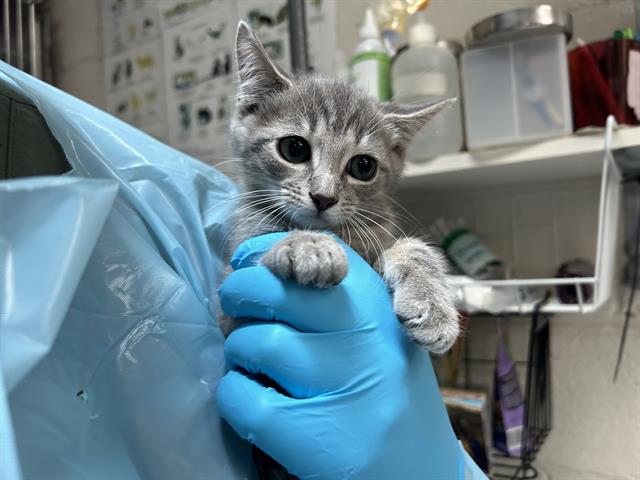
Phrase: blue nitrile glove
(364, 402)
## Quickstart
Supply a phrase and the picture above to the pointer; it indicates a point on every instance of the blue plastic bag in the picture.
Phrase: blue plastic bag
(109, 348)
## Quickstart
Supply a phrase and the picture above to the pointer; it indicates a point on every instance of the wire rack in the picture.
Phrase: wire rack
(600, 284)
(538, 415)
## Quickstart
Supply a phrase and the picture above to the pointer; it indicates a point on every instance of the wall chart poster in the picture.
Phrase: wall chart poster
(200, 80)
(133, 64)
(169, 64)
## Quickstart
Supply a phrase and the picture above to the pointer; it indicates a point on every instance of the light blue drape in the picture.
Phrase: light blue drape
(109, 348)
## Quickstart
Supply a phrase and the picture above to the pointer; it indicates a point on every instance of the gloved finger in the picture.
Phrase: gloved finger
(303, 364)
(251, 251)
(249, 407)
(255, 292)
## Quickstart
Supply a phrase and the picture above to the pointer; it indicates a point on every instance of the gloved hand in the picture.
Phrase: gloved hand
(362, 403)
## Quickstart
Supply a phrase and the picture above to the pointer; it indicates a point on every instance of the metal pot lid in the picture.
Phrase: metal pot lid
(520, 23)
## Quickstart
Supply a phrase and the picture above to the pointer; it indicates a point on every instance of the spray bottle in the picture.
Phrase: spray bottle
(370, 67)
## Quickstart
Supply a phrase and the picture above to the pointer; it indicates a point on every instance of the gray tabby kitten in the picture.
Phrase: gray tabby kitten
(320, 155)
(317, 154)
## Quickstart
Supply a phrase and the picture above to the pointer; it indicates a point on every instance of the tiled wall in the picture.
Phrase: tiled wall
(533, 228)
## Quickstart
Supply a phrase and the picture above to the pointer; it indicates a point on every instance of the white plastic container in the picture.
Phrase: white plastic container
(516, 84)
(370, 67)
(428, 73)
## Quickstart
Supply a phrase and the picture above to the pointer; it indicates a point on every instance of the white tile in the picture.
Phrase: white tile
(501, 245)
(493, 215)
(461, 210)
(533, 210)
(576, 238)
(576, 204)
(534, 252)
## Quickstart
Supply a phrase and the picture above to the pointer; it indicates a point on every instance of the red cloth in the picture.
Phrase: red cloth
(598, 75)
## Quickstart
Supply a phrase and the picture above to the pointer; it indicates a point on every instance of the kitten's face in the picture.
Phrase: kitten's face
(325, 150)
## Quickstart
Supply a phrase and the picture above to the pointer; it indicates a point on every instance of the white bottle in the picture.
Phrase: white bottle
(370, 67)
(428, 73)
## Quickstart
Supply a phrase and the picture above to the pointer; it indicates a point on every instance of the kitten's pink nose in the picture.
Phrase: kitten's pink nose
(323, 202)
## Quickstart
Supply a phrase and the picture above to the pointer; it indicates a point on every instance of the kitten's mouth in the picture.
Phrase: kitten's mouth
(311, 218)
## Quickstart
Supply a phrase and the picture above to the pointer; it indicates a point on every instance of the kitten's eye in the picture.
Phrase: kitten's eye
(294, 149)
(362, 167)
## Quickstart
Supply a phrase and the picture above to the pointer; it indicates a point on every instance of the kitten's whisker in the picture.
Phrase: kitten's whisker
(375, 238)
(378, 249)
(362, 212)
(266, 217)
(258, 198)
(399, 216)
(218, 164)
(267, 210)
(403, 208)
(357, 232)
(282, 215)
(231, 203)
(345, 225)
(374, 233)
(377, 259)
(252, 194)
(363, 219)
(255, 192)
(255, 204)
(253, 197)
(367, 236)
(260, 211)
(274, 216)
(260, 190)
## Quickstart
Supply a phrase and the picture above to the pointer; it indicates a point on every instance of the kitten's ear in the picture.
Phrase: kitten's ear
(406, 121)
(258, 75)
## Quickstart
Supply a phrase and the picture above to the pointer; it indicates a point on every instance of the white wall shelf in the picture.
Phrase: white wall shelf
(566, 158)
(512, 289)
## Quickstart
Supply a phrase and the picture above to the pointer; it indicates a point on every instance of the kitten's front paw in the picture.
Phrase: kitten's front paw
(431, 326)
(309, 258)
(422, 299)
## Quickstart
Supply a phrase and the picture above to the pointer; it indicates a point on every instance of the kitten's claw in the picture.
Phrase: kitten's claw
(437, 338)
(309, 258)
